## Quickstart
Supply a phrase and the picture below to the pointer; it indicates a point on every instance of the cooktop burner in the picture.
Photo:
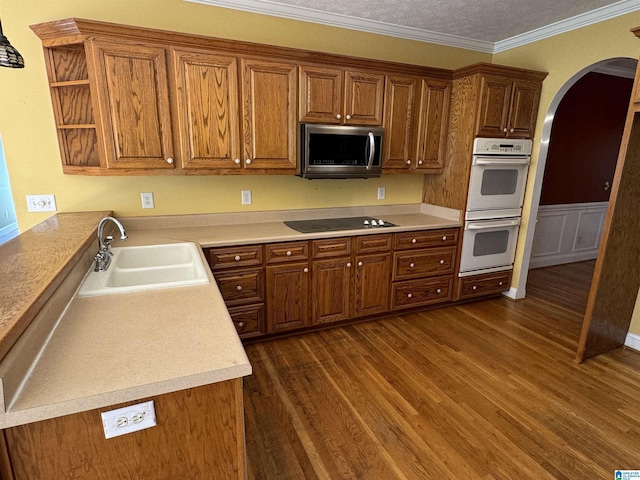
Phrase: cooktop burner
(337, 224)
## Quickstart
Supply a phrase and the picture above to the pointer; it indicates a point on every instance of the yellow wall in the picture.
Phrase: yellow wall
(27, 127)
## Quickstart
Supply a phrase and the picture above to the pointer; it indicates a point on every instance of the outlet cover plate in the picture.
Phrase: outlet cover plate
(128, 419)
(41, 203)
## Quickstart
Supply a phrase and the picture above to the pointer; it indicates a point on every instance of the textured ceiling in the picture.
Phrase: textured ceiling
(475, 24)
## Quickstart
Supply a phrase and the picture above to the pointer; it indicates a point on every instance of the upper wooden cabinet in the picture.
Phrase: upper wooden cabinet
(508, 106)
(335, 96)
(416, 112)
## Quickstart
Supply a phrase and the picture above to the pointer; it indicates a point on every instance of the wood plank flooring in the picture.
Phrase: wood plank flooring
(486, 390)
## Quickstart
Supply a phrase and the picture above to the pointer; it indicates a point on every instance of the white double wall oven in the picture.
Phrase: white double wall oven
(494, 204)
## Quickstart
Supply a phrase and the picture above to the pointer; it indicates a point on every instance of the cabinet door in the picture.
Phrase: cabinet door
(134, 100)
(495, 99)
(330, 289)
(399, 118)
(320, 95)
(523, 112)
(207, 106)
(372, 280)
(287, 296)
(269, 94)
(432, 125)
(363, 98)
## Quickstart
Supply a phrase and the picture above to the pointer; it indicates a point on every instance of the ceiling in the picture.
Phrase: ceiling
(484, 25)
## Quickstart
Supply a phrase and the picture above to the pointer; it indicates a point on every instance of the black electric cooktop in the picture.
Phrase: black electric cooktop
(337, 224)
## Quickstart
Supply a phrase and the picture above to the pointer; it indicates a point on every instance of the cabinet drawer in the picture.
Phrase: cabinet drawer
(426, 238)
(241, 287)
(333, 247)
(415, 293)
(423, 263)
(487, 284)
(233, 257)
(249, 320)
(374, 243)
(286, 252)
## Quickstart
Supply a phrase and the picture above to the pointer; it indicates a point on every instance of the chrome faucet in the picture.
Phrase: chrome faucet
(103, 257)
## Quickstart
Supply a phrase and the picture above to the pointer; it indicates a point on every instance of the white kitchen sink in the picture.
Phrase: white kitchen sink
(147, 267)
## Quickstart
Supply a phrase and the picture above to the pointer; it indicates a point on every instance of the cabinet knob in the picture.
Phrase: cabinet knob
(241, 324)
(237, 258)
(288, 253)
(444, 238)
(512, 130)
(348, 264)
(439, 290)
(305, 270)
(413, 240)
(360, 264)
(420, 162)
(348, 117)
(409, 295)
(441, 262)
(248, 161)
(408, 162)
(500, 284)
(504, 130)
(338, 116)
(237, 161)
(169, 160)
(474, 288)
(239, 288)
(411, 265)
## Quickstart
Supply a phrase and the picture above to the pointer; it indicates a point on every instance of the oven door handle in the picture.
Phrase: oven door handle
(372, 150)
(498, 224)
(505, 162)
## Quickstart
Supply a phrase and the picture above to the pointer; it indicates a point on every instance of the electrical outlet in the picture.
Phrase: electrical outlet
(382, 193)
(246, 197)
(147, 200)
(41, 203)
(128, 419)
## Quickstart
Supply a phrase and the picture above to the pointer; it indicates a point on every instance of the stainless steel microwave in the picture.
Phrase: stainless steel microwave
(333, 151)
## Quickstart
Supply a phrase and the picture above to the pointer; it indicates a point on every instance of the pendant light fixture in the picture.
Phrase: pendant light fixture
(9, 56)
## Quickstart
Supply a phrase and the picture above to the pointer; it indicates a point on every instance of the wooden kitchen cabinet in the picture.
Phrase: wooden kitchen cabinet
(508, 106)
(335, 96)
(287, 296)
(331, 279)
(415, 120)
(269, 95)
(371, 284)
(132, 91)
(483, 285)
(207, 101)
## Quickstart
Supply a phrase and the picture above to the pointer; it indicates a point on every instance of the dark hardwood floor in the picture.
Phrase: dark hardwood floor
(486, 390)
(565, 285)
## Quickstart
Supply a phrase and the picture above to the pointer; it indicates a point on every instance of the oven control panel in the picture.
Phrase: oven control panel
(502, 146)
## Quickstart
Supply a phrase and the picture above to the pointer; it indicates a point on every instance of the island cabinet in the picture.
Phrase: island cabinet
(199, 434)
(416, 113)
(341, 97)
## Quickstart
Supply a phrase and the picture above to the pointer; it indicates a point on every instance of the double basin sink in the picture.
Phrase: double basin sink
(147, 267)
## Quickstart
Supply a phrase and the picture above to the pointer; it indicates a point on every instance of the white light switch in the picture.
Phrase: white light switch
(41, 203)
(128, 419)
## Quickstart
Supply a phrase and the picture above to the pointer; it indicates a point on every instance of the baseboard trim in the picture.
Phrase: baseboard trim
(514, 293)
(632, 341)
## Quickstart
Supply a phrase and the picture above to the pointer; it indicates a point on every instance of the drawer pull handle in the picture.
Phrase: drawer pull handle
(237, 258)
(500, 283)
(348, 264)
(305, 270)
(413, 240)
(240, 324)
(409, 295)
(439, 290)
(239, 288)
(441, 262)
(411, 265)
(288, 253)
(444, 238)
(474, 288)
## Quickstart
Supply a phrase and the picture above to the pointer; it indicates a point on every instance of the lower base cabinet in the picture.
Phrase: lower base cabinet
(287, 296)
(483, 285)
(199, 434)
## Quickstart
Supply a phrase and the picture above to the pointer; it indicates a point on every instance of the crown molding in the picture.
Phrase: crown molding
(266, 7)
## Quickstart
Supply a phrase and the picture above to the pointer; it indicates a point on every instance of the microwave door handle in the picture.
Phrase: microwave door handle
(498, 224)
(511, 161)
(372, 150)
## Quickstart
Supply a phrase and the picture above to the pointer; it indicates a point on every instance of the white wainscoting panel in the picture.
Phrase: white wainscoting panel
(567, 233)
